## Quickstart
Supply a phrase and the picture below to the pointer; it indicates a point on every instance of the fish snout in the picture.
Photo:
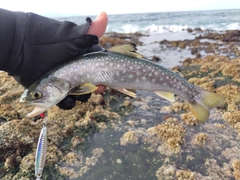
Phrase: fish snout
(23, 97)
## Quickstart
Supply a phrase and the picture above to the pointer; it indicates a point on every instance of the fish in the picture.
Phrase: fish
(41, 152)
(120, 68)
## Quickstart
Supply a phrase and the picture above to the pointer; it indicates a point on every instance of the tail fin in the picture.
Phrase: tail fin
(201, 109)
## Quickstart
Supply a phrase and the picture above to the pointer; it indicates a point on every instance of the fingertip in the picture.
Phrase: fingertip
(99, 25)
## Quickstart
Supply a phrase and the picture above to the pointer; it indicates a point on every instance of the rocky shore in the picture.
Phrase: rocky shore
(115, 137)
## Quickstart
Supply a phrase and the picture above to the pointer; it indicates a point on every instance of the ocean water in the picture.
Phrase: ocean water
(169, 26)
(162, 22)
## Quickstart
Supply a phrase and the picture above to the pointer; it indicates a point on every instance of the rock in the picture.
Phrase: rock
(174, 43)
(189, 30)
(195, 43)
(187, 61)
(232, 36)
(156, 59)
(198, 55)
(129, 137)
(198, 29)
(182, 45)
(194, 50)
(164, 42)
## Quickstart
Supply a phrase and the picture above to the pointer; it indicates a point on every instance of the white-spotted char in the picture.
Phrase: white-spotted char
(120, 68)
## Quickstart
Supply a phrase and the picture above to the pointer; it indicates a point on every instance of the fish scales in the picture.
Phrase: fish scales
(114, 70)
(121, 69)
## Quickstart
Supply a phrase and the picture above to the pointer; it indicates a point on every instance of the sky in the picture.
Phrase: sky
(55, 8)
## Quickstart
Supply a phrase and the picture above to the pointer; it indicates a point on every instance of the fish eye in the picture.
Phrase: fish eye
(36, 95)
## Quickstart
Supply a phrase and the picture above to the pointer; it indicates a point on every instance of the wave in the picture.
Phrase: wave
(154, 28)
(169, 21)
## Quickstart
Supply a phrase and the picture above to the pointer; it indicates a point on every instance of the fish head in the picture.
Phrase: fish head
(45, 94)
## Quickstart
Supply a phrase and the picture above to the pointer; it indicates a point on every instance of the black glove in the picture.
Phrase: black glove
(31, 44)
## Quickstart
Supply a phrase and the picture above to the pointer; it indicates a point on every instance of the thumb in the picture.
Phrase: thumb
(99, 25)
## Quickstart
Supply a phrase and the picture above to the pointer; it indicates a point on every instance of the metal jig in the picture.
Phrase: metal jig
(41, 151)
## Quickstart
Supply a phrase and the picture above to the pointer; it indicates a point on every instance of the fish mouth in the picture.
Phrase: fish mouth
(36, 111)
(39, 108)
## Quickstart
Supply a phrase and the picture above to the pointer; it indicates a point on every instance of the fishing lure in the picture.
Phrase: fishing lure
(41, 151)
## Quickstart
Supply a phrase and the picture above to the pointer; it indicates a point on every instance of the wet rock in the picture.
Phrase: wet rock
(113, 38)
(156, 59)
(236, 168)
(187, 61)
(164, 42)
(129, 137)
(171, 132)
(182, 174)
(196, 43)
(194, 50)
(198, 29)
(189, 30)
(174, 43)
(201, 139)
(189, 119)
(232, 36)
(230, 92)
(198, 55)
(182, 45)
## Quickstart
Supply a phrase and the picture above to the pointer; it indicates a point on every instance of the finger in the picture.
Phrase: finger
(99, 25)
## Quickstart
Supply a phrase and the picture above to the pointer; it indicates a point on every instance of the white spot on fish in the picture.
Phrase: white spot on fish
(144, 78)
(138, 73)
(156, 73)
(144, 70)
(130, 76)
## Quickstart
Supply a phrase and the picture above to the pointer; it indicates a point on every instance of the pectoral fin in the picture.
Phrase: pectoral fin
(166, 95)
(83, 89)
(127, 92)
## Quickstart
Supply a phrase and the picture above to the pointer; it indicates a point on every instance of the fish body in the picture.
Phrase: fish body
(120, 70)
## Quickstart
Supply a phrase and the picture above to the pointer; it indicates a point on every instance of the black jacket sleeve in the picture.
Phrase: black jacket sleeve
(31, 45)
(11, 38)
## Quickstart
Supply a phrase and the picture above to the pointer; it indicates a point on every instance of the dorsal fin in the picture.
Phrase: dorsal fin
(127, 49)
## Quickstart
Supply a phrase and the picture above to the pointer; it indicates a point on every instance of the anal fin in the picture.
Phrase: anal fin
(166, 95)
(127, 92)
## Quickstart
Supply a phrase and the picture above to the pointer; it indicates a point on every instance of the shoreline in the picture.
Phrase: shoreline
(174, 47)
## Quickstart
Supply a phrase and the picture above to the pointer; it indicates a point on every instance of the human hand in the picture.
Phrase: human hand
(98, 28)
